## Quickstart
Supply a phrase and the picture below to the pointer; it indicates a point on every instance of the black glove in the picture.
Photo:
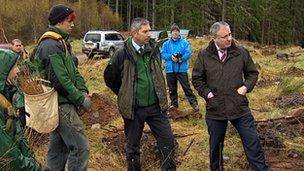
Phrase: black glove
(178, 56)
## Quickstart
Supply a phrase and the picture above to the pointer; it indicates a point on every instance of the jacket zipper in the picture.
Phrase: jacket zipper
(146, 65)
(134, 101)
(133, 167)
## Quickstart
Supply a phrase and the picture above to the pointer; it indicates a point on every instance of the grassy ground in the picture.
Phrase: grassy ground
(261, 101)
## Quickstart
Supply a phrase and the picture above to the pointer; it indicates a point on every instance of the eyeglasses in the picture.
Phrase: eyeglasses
(18, 45)
(226, 36)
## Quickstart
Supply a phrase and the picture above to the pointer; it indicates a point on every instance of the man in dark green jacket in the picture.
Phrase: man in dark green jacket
(223, 73)
(68, 142)
(134, 74)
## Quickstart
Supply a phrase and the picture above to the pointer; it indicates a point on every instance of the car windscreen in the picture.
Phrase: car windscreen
(184, 33)
(113, 37)
(94, 37)
(154, 34)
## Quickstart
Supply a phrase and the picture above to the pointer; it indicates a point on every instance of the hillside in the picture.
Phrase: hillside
(279, 91)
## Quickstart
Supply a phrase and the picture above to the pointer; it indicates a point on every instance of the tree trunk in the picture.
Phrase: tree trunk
(224, 10)
(268, 32)
(263, 31)
(137, 10)
(183, 12)
(116, 7)
(172, 14)
(34, 23)
(294, 20)
(147, 9)
(153, 14)
(203, 18)
(80, 13)
(129, 13)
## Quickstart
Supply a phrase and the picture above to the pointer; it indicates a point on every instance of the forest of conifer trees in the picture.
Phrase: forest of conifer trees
(267, 22)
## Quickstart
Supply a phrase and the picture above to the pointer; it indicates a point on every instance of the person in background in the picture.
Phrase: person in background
(176, 53)
(135, 76)
(15, 153)
(223, 74)
(18, 47)
(18, 99)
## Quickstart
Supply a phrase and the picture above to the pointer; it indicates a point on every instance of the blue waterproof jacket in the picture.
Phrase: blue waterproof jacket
(171, 47)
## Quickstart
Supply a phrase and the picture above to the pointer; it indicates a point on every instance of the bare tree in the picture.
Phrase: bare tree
(224, 10)
(147, 9)
(116, 6)
(172, 13)
(153, 14)
(129, 13)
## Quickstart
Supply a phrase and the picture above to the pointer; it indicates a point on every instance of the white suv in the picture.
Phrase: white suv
(101, 42)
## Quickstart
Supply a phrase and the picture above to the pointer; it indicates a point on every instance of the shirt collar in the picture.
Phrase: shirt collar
(63, 34)
(177, 39)
(218, 48)
(136, 46)
(220, 51)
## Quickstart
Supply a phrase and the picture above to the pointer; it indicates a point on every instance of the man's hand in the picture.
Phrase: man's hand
(174, 59)
(210, 95)
(86, 104)
(9, 124)
(24, 53)
(11, 112)
(242, 90)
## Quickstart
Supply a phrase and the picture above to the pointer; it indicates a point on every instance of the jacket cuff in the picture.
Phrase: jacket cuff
(79, 100)
(249, 88)
(205, 93)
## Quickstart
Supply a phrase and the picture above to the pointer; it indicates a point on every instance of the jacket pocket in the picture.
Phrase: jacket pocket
(70, 117)
(240, 103)
(212, 104)
(242, 100)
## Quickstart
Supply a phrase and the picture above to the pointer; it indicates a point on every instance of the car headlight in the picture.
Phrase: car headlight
(89, 45)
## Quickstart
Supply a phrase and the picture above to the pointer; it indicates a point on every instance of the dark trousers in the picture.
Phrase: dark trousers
(172, 79)
(161, 129)
(251, 143)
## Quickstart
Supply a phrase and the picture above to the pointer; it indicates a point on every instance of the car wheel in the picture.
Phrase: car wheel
(111, 52)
